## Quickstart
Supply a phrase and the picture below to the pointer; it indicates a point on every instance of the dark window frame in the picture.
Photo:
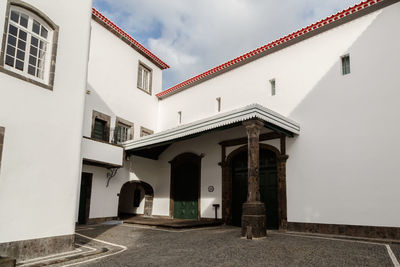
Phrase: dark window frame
(106, 119)
(345, 63)
(127, 124)
(144, 131)
(54, 27)
(141, 64)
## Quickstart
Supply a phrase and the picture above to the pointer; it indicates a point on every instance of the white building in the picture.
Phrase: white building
(43, 73)
(322, 103)
(318, 92)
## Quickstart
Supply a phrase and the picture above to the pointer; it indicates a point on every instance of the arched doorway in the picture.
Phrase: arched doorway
(185, 186)
(136, 197)
(272, 185)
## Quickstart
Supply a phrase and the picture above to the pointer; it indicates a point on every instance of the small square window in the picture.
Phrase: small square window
(345, 64)
(273, 87)
(144, 78)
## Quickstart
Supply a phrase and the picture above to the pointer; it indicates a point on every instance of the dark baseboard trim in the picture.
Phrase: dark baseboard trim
(347, 230)
(101, 220)
(39, 247)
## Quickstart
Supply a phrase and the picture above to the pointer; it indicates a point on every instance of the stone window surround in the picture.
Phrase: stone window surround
(2, 131)
(104, 117)
(140, 63)
(54, 44)
(144, 131)
(127, 123)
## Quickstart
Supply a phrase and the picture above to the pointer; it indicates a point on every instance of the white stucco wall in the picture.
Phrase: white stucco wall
(112, 82)
(343, 166)
(40, 166)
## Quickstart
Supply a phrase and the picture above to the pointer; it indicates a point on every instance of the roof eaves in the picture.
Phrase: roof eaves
(129, 39)
(263, 50)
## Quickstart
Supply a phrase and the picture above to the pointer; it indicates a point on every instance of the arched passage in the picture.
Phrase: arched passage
(272, 185)
(136, 197)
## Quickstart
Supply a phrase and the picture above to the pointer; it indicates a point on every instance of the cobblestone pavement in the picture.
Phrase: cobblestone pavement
(222, 246)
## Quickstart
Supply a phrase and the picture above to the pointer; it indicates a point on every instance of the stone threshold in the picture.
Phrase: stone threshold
(172, 223)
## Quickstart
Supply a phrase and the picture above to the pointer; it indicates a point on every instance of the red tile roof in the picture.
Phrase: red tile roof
(130, 39)
(227, 65)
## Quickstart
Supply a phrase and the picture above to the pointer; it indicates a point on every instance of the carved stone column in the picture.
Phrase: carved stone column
(253, 215)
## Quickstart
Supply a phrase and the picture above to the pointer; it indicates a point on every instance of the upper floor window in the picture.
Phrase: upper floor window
(100, 126)
(28, 46)
(145, 132)
(345, 64)
(123, 130)
(144, 78)
(273, 87)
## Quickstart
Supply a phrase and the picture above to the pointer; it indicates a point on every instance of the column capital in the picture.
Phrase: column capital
(254, 123)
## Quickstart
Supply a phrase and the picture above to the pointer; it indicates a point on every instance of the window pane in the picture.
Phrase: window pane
(19, 65)
(10, 50)
(12, 40)
(22, 35)
(10, 61)
(14, 16)
(99, 129)
(36, 27)
(31, 70)
(24, 20)
(20, 55)
(32, 60)
(13, 30)
(44, 32)
(34, 41)
(21, 45)
(34, 51)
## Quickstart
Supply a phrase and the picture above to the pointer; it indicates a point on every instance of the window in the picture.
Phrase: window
(99, 130)
(218, 104)
(28, 46)
(273, 87)
(2, 130)
(123, 131)
(179, 117)
(145, 132)
(345, 64)
(100, 126)
(144, 78)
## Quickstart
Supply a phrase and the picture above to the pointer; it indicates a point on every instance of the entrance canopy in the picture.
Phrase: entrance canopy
(152, 146)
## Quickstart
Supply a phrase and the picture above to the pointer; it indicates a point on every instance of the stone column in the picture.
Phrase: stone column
(253, 215)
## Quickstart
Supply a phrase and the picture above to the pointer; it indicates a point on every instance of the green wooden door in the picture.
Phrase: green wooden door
(186, 191)
(268, 186)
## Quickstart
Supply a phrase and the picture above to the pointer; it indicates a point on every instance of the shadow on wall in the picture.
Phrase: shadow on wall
(356, 112)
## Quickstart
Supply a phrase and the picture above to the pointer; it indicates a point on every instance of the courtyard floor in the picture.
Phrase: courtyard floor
(135, 245)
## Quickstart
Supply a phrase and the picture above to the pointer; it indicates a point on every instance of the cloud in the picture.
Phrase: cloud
(193, 36)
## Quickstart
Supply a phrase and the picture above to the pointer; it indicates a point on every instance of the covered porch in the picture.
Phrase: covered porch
(254, 126)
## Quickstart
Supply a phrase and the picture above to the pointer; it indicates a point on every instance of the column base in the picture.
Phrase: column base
(254, 220)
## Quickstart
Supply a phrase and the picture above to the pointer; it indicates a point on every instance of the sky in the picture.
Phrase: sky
(192, 36)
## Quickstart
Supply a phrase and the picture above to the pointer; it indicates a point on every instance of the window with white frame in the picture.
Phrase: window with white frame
(144, 78)
(28, 45)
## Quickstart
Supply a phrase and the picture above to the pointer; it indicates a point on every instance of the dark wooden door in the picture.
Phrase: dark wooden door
(84, 198)
(185, 188)
(268, 186)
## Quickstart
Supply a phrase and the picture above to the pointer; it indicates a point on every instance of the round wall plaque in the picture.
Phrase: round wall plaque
(211, 188)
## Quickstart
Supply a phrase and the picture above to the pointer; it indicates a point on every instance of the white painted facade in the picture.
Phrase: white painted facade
(41, 161)
(343, 119)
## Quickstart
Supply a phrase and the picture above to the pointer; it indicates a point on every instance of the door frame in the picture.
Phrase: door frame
(227, 184)
(175, 163)
(89, 176)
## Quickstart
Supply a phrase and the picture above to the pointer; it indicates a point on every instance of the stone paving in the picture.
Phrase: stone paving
(222, 246)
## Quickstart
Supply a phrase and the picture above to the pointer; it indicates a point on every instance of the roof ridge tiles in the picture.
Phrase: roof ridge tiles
(129, 38)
